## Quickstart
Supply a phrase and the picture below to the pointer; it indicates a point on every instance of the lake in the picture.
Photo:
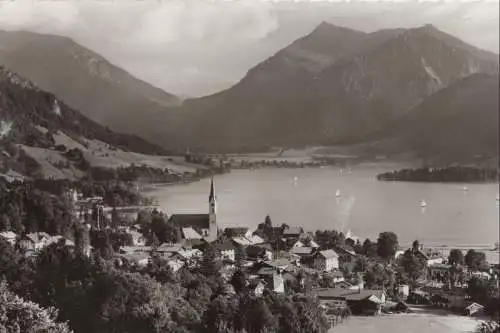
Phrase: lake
(366, 206)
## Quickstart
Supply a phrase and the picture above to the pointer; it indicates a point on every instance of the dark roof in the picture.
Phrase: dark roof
(254, 251)
(224, 246)
(200, 221)
(236, 231)
(291, 231)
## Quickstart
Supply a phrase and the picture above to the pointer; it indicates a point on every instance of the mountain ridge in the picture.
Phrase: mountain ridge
(84, 79)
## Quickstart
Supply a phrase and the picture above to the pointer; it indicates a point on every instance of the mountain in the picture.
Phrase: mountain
(42, 136)
(456, 124)
(84, 80)
(333, 86)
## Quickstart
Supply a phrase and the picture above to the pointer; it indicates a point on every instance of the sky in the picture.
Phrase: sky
(198, 47)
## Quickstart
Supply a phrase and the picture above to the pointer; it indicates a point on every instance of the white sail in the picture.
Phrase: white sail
(423, 203)
(337, 194)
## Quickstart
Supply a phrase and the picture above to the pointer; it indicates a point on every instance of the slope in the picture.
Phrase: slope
(83, 79)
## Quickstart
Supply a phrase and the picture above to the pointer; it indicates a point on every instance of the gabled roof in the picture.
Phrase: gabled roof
(8, 235)
(292, 231)
(135, 249)
(241, 241)
(57, 239)
(328, 254)
(165, 247)
(254, 251)
(197, 221)
(190, 233)
(254, 239)
(36, 237)
(236, 231)
(302, 250)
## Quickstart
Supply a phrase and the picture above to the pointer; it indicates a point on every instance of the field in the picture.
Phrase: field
(417, 322)
(99, 154)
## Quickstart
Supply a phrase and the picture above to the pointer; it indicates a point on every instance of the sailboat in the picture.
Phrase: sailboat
(465, 188)
(498, 198)
(423, 203)
(337, 194)
(295, 179)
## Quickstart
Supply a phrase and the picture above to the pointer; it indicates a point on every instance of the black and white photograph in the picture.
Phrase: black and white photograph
(249, 166)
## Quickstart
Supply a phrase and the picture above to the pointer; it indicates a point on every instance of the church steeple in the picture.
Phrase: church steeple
(212, 211)
(211, 197)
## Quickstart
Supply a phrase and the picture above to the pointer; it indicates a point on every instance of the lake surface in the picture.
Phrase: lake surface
(366, 206)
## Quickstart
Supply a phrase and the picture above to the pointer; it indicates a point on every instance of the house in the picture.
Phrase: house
(257, 287)
(333, 296)
(359, 301)
(204, 224)
(430, 258)
(9, 236)
(57, 239)
(404, 290)
(366, 301)
(344, 285)
(303, 252)
(292, 234)
(135, 249)
(34, 241)
(137, 238)
(345, 251)
(474, 309)
(311, 244)
(12, 176)
(337, 276)
(419, 297)
(168, 248)
(236, 232)
(135, 259)
(174, 261)
(326, 260)
(259, 252)
(226, 250)
(273, 278)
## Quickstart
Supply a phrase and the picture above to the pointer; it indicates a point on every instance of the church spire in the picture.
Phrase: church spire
(211, 197)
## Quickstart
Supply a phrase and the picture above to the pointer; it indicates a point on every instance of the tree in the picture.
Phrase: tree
(19, 315)
(387, 245)
(210, 266)
(475, 260)
(456, 257)
(238, 281)
(488, 327)
(369, 248)
(413, 266)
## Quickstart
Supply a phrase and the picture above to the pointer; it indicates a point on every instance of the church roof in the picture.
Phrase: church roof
(200, 221)
(190, 233)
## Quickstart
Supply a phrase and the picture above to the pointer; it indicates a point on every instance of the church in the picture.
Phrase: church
(196, 226)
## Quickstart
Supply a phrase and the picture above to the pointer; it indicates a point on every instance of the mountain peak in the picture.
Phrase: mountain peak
(330, 28)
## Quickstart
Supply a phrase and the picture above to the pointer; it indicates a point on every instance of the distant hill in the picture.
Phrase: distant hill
(456, 124)
(333, 86)
(42, 136)
(84, 80)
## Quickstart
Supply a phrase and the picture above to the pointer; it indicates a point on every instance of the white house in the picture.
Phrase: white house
(9, 236)
(327, 260)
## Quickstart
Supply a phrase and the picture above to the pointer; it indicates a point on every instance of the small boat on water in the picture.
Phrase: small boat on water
(423, 203)
(465, 188)
(337, 194)
(498, 198)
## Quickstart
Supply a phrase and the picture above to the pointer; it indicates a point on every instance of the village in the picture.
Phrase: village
(280, 259)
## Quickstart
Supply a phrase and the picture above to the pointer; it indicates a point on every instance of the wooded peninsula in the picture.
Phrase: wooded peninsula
(442, 175)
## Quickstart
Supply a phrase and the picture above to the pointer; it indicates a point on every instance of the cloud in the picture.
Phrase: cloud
(199, 46)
